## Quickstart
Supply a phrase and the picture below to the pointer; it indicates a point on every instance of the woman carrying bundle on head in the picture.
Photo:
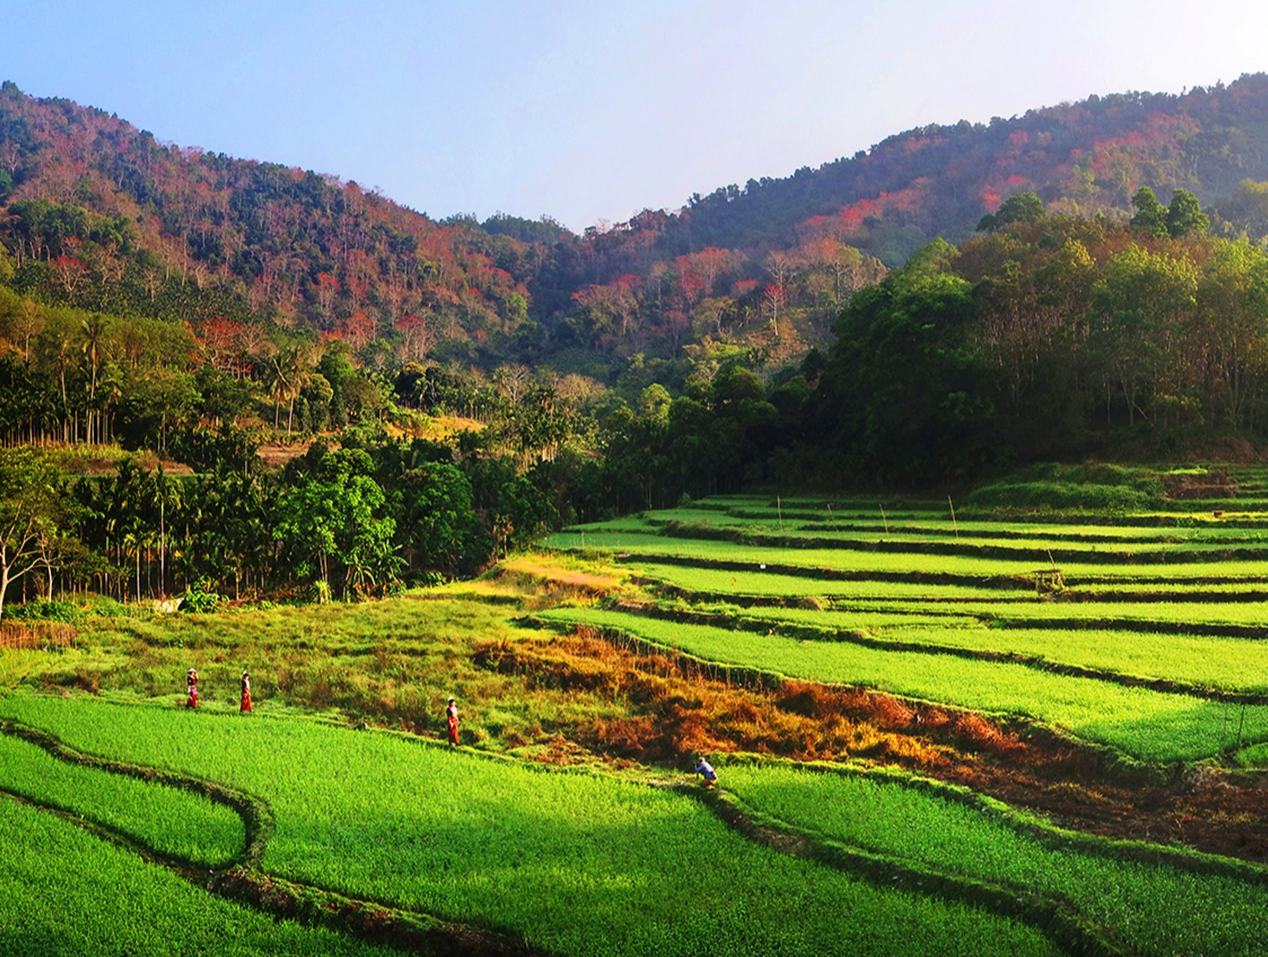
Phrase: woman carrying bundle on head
(246, 692)
(451, 718)
(191, 688)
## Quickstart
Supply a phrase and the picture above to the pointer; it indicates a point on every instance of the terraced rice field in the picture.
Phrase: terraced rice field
(1012, 734)
(536, 860)
(1161, 905)
(1144, 633)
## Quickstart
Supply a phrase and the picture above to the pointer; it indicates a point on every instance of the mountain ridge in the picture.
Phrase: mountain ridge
(101, 215)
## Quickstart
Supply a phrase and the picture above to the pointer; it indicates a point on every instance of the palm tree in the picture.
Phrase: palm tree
(92, 344)
(289, 372)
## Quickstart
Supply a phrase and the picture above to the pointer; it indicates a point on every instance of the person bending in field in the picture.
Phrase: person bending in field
(191, 688)
(709, 777)
(451, 717)
(246, 693)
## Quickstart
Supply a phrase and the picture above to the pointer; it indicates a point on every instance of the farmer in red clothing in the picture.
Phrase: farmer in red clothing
(246, 693)
(451, 714)
(191, 687)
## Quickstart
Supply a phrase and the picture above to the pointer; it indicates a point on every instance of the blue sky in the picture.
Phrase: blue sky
(594, 110)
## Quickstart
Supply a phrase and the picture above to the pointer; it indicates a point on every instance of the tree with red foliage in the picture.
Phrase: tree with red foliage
(611, 307)
(221, 341)
(417, 337)
(358, 330)
(327, 287)
(69, 273)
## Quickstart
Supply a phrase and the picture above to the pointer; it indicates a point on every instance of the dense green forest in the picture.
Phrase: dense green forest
(1044, 336)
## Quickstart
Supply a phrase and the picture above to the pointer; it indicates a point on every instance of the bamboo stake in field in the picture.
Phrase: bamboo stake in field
(832, 519)
(954, 527)
(779, 509)
(884, 519)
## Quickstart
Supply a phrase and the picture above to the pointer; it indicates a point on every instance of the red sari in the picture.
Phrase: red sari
(452, 714)
(191, 685)
(246, 695)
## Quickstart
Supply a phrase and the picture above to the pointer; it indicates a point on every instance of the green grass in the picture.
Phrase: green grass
(721, 581)
(1020, 536)
(393, 662)
(1162, 909)
(1022, 531)
(1029, 550)
(1225, 612)
(864, 619)
(1164, 589)
(1250, 613)
(63, 892)
(1230, 663)
(577, 863)
(168, 819)
(1120, 539)
(1148, 725)
(705, 550)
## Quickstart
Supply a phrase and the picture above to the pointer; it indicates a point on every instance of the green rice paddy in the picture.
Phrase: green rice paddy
(1056, 616)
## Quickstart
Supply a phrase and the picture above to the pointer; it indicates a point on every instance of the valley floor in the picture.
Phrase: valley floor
(987, 733)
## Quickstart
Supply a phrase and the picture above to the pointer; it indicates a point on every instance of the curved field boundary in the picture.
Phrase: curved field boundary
(688, 531)
(242, 880)
(695, 595)
(1114, 764)
(1019, 582)
(1005, 533)
(841, 601)
(186, 869)
(766, 626)
(1000, 619)
(1003, 582)
(1148, 625)
(1052, 835)
(256, 816)
(1059, 920)
(1188, 519)
(1172, 597)
(969, 513)
(1001, 530)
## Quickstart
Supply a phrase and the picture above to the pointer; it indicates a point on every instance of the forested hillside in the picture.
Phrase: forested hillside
(102, 216)
(253, 381)
(939, 180)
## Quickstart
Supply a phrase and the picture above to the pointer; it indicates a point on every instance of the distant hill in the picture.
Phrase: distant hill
(102, 215)
(939, 180)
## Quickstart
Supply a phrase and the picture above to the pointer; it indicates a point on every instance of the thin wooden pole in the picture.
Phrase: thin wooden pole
(954, 526)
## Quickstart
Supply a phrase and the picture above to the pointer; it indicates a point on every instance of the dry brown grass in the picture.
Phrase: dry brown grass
(277, 455)
(36, 635)
(547, 580)
(665, 713)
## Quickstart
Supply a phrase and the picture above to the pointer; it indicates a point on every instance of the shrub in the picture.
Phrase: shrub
(1092, 487)
(42, 609)
(202, 597)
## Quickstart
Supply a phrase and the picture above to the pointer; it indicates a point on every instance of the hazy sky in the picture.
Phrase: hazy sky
(590, 110)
